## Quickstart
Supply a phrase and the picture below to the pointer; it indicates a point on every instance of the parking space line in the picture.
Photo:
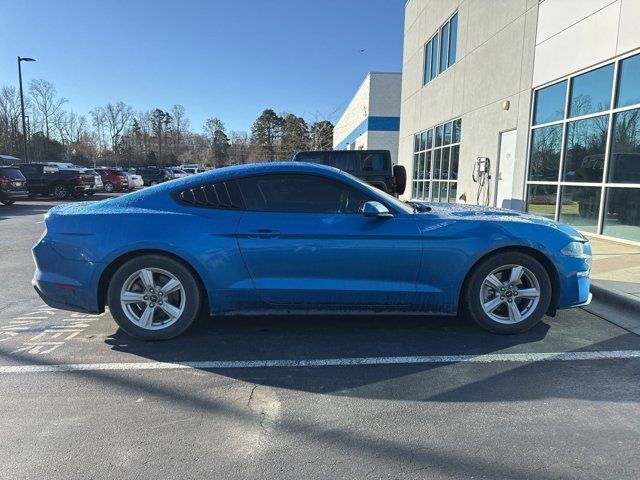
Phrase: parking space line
(329, 362)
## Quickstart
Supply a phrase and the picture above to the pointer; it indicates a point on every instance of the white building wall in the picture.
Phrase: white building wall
(576, 35)
(376, 101)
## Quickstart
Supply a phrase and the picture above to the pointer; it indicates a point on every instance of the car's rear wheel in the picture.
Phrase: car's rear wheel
(109, 187)
(61, 191)
(508, 293)
(154, 297)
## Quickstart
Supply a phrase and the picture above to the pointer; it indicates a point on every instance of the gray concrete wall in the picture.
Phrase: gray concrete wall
(494, 63)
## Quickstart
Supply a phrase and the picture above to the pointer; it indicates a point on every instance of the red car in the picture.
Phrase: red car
(113, 180)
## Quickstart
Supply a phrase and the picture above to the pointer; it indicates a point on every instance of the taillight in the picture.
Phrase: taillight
(5, 180)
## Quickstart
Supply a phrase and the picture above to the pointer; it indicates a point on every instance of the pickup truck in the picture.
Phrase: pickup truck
(46, 179)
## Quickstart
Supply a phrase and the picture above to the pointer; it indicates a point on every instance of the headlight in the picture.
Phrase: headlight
(574, 249)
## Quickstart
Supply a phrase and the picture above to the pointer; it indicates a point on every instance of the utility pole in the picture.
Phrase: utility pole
(24, 122)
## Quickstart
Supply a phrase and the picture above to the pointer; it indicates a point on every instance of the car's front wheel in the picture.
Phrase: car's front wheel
(154, 297)
(109, 187)
(508, 293)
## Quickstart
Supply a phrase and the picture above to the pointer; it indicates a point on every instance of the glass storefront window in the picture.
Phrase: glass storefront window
(447, 134)
(622, 218)
(457, 125)
(579, 207)
(591, 92)
(549, 103)
(436, 162)
(599, 155)
(629, 82)
(546, 143)
(624, 164)
(586, 141)
(542, 200)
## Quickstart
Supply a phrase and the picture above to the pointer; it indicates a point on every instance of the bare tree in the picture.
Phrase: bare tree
(9, 119)
(45, 103)
(117, 117)
(180, 124)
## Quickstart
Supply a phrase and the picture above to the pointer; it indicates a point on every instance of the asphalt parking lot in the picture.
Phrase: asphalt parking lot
(307, 397)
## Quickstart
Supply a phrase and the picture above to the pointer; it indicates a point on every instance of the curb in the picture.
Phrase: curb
(614, 298)
(615, 306)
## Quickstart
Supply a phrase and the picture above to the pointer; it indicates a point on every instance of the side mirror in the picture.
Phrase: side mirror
(376, 209)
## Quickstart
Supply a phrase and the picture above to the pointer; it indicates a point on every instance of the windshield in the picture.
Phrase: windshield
(390, 199)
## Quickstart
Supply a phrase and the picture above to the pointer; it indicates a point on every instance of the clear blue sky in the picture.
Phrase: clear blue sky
(225, 58)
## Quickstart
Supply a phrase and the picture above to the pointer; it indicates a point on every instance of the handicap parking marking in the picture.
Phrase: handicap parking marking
(39, 332)
(331, 362)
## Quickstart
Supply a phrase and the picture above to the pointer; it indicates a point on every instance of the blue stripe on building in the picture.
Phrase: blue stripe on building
(370, 124)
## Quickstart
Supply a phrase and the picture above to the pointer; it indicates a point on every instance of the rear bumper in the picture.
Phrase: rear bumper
(64, 283)
(13, 194)
(52, 302)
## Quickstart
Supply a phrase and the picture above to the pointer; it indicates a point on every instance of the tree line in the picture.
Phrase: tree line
(115, 134)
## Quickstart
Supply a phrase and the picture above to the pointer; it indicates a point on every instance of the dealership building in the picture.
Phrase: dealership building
(372, 118)
(525, 104)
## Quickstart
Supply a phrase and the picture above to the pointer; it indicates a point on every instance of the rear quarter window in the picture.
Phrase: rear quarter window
(13, 173)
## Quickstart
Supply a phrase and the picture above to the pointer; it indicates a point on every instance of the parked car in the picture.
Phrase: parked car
(372, 166)
(191, 168)
(177, 172)
(134, 180)
(296, 237)
(99, 187)
(153, 175)
(113, 180)
(44, 179)
(13, 185)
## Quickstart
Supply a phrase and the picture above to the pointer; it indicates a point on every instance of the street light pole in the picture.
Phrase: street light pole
(24, 122)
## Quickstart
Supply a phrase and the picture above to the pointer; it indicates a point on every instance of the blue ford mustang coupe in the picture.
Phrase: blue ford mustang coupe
(295, 237)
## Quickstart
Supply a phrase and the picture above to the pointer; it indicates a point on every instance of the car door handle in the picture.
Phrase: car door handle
(263, 233)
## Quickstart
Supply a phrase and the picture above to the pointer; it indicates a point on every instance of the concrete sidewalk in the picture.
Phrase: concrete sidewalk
(615, 282)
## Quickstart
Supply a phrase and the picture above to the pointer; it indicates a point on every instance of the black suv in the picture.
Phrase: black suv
(153, 175)
(372, 166)
(13, 185)
(47, 179)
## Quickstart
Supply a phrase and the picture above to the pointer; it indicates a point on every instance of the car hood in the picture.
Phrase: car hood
(456, 211)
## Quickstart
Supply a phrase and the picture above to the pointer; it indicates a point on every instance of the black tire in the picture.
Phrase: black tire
(401, 178)
(474, 287)
(60, 191)
(7, 202)
(109, 187)
(193, 296)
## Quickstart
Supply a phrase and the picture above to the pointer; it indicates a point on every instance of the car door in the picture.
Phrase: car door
(304, 241)
(33, 174)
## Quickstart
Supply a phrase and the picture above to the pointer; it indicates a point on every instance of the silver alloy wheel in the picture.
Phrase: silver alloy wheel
(152, 298)
(510, 294)
(108, 187)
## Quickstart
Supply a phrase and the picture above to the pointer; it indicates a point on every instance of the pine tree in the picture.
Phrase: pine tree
(266, 135)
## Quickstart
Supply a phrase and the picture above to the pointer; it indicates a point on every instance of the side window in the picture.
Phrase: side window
(374, 162)
(29, 169)
(216, 195)
(300, 194)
